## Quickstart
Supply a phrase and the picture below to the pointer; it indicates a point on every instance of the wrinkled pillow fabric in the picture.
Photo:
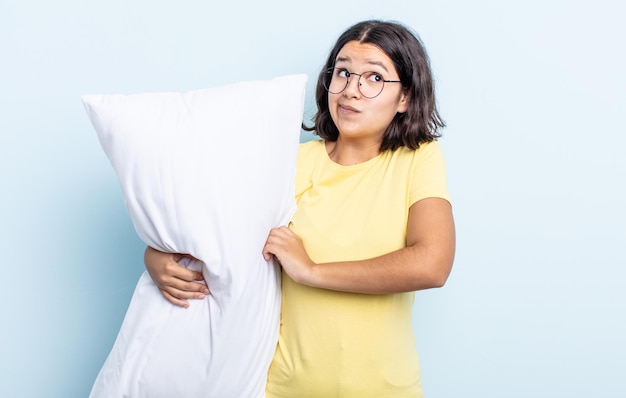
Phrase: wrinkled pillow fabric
(209, 173)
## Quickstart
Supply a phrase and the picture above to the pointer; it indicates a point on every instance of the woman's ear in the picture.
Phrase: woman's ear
(403, 103)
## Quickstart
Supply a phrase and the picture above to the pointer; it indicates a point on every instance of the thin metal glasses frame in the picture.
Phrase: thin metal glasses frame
(330, 75)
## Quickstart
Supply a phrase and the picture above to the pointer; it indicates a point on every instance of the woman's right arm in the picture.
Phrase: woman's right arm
(176, 283)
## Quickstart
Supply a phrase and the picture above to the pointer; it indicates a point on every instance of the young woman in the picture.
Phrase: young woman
(373, 225)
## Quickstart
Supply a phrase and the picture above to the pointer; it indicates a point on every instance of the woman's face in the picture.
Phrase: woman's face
(355, 115)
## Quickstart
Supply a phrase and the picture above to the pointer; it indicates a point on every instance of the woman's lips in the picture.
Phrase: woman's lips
(347, 108)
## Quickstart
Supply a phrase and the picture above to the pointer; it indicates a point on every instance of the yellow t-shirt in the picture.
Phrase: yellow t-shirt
(337, 344)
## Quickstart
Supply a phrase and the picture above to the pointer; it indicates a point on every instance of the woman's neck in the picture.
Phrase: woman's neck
(351, 152)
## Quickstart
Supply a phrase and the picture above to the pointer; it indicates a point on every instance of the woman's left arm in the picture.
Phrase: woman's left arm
(424, 263)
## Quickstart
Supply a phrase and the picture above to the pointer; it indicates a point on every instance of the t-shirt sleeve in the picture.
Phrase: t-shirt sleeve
(428, 178)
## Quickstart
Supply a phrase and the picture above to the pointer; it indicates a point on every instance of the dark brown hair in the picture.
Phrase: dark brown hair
(421, 122)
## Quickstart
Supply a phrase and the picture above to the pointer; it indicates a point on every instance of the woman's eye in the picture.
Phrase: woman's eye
(374, 77)
(343, 73)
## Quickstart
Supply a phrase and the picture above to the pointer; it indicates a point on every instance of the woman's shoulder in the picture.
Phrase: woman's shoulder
(308, 155)
(426, 150)
(311, 149)
(425, 147)
(311, 144)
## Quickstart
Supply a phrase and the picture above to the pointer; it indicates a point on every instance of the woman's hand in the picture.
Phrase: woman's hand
(176, 283)
(287, 248)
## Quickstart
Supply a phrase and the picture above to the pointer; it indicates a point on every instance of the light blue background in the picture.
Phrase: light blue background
(534, 94)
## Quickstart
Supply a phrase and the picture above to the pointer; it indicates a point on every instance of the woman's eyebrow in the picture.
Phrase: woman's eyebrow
(378, 63)
(370, 62)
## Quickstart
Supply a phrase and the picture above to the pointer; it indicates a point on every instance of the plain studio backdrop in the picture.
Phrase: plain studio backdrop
(534, 95)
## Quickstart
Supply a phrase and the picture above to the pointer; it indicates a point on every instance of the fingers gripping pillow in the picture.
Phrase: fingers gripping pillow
(209, 173)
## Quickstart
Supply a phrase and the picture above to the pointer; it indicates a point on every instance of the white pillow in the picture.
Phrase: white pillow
(206, 172)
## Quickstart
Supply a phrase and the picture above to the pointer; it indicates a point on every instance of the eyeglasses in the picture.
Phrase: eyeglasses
(370, 84)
